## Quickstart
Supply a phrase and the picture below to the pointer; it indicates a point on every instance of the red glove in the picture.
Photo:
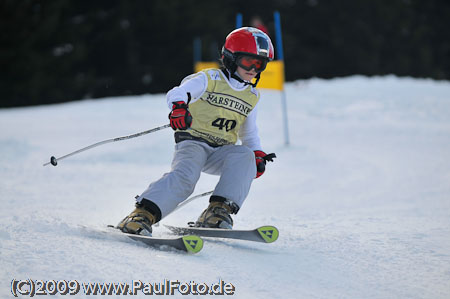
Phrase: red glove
(261, 160)
(180, 117)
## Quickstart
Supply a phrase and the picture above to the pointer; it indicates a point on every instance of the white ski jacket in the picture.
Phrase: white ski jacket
(196, 85)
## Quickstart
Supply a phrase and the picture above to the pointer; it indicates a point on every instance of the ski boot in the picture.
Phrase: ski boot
(217, 215)
(139, 222)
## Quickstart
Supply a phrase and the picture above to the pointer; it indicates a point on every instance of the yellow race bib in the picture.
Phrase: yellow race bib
(221, 110)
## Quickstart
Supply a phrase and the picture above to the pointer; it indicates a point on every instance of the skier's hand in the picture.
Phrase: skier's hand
(261, 160)
(180, 117)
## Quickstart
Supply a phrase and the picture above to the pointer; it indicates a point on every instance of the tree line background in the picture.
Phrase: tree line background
(60, 50)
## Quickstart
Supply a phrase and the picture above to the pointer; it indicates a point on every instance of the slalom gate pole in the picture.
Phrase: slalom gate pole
(280, 56)
(54, 161)
(238, 20)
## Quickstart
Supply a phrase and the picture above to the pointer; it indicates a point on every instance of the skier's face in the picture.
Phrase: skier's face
(246, 75)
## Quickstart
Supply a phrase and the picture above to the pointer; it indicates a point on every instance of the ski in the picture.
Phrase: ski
(188, 243)
(264, 234)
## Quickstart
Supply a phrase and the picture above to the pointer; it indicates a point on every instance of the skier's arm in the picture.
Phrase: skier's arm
(248, 132)
(194, 84)
(250, 138)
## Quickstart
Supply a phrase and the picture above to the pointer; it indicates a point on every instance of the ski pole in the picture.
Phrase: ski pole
(54, 161)
(192, 198)
(186, 202)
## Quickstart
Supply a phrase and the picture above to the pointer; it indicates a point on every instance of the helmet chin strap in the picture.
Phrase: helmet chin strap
(239, 79)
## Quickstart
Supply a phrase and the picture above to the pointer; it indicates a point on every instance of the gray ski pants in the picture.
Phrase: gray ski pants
(235, 164)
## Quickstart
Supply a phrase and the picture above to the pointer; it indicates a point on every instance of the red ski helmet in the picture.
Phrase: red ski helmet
(246, 41)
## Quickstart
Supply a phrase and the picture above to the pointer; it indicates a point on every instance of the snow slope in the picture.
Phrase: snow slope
(361, 196)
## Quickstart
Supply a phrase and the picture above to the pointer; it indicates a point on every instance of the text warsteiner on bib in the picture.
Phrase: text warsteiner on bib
(221, 126)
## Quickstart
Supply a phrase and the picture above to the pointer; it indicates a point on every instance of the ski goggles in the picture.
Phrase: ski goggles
(249, 62)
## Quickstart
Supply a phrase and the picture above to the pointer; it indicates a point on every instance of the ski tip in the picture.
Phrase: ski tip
(268, 233)
(192, 243)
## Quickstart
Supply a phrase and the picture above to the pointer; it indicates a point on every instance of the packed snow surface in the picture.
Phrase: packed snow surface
(361, 195)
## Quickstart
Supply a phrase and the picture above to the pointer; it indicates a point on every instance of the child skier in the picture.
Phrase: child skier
(211, 110)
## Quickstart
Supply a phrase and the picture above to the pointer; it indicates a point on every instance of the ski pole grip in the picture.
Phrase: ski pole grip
(269, 157)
